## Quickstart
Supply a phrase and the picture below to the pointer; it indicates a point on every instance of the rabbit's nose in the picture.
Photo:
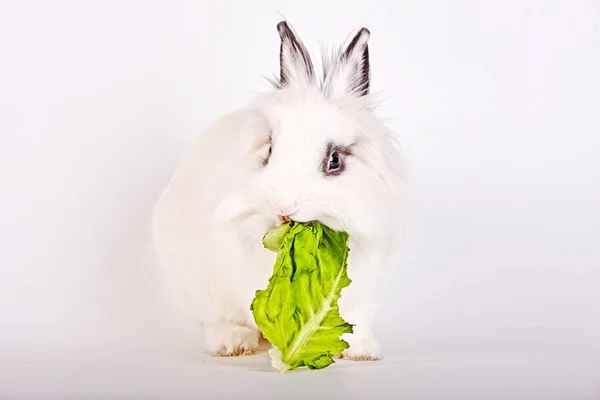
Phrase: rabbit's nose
(286, 214)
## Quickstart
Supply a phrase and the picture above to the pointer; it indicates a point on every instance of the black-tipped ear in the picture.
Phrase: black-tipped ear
(295, 66)
(357, 54)
(350, 73)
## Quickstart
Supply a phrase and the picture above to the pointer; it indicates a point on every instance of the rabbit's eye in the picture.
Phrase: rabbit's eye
(334, 161)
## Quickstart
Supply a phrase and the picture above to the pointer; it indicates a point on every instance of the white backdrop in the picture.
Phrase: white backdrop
(497, 104)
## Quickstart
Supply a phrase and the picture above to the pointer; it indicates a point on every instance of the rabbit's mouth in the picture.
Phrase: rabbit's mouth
(285, 218)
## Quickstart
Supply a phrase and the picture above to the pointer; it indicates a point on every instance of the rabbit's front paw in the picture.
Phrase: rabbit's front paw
(227, 340)
(362, 349)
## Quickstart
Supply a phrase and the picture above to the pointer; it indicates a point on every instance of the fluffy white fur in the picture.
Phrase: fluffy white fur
(209, 221)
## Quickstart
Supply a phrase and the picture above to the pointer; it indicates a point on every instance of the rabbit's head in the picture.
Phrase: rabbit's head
(323, 155)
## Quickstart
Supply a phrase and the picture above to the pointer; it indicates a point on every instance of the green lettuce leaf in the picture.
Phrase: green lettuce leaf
(298, 311)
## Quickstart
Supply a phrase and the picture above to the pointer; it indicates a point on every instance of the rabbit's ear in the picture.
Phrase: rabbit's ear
(350, 73)
(296, 67)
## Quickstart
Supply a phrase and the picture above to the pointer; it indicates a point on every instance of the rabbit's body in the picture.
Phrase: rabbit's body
(303, 152)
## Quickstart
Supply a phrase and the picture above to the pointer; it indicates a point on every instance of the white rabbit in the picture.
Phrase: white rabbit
(310, 149)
